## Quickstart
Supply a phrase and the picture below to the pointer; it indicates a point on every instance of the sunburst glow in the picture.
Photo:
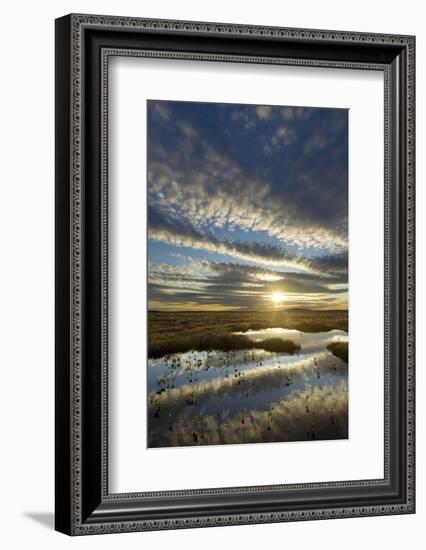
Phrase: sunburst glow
(278, 297)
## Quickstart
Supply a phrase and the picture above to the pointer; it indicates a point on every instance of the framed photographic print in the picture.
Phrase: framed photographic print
(234, 274)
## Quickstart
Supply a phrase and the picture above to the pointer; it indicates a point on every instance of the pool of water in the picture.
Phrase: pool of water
(247, 396)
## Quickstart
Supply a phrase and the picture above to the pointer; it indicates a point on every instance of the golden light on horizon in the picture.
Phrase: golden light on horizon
(278, 297)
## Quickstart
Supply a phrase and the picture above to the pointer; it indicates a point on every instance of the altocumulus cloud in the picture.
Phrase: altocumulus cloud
(201, 157)
(261, 189)
(183, 234)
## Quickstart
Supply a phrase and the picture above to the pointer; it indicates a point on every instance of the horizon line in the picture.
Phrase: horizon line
(244, 310)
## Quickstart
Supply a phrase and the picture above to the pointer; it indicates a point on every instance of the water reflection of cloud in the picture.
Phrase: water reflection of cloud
(243, 395)
(197, 361)
(255, 387)
(262, 377)
(314, 413)
(309, 341)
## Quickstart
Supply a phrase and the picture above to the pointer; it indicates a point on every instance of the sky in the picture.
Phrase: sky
(247, 207)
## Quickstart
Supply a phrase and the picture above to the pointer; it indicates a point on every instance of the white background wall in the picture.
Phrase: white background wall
(27, 262)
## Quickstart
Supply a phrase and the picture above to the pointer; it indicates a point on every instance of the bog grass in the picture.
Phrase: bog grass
(174, 332)
(339, 349)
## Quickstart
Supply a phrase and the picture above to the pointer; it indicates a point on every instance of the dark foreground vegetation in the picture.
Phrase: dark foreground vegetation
(339, 349)
(219, 342)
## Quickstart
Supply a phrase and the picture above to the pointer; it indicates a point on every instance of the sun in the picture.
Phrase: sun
(278, 297)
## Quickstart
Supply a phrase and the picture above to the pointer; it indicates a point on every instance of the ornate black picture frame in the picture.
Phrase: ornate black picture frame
(84, 44)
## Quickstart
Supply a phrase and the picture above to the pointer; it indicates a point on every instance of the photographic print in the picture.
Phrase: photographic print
(247, 273)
